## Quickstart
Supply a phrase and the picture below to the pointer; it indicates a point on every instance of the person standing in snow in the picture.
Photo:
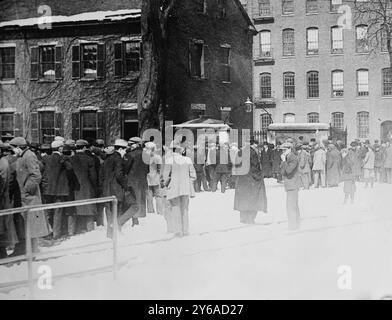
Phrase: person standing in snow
(304, 166)
(348, 173)
(333, 166)
(153, 179)
(368, 166)
(319, 160)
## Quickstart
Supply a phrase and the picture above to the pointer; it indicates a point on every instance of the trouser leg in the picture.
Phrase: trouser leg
(184, 206)
(71, 225)
(322, 174)
(292, 209)
(89, 223)
(223, 179)
(150, 200)
(204, 181)
(316, 175)
(197, 182)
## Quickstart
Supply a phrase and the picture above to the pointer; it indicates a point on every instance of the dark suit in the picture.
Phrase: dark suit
(290, 173)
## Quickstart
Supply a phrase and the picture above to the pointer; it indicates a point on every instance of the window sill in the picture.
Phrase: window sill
(288, 100)
(341, 54)
(311, 13)
(7, 81)
(88, 80)
(313, 99)
(311, 55)
(287, 14)
(337, 98)
(47, 81)
(288, 57)
(362, 53)
(386, 97)
(226, 82)
(362, 97)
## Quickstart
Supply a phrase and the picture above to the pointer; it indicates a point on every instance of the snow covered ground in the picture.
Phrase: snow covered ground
(223, 259)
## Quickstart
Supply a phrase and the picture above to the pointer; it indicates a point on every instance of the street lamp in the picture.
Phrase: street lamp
(248, 105)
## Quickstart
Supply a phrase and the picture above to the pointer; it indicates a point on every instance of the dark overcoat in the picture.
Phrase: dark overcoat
(267, 161)
(347, 167)
(250, 193)
(55, 180)
(86, 174)
(333, 166)
(290, 172)
(113, 178)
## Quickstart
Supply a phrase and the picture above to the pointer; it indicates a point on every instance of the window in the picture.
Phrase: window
(198, 59)
(6, 126)
(289, 118)
(313, 84)
(362, 82)
(89, 61)
(89, 124)
(363, 124)
(387, 82)
(264, 7)
(337, 83)
(311, 6)
(337, 39)
(312, 41)
(338, 120)
(288, 42)
(201, 6)
(288, 85)
(384, 41)
(47, 127)
(225, 63)
(265, 121)
(265, 85)
(361, 39)
(7, 63)
(265, 43)
(335, 4)
(287, 6)
(47, 62)
(222, 8)
(127, 58)
(313, 117)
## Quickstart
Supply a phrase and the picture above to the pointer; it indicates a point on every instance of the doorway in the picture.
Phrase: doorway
(386, 130)
(130, 124)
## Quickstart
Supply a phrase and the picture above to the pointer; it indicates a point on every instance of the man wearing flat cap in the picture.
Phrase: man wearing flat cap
(29, 177)
(289, 169)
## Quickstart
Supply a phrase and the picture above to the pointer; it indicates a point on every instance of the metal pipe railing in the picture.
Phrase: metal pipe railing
(30, 255)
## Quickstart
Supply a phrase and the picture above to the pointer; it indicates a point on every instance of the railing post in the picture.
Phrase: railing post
(115, 230)
(29, 252)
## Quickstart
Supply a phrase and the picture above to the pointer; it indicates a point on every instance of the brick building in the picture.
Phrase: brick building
(78, 75)
(308, 69)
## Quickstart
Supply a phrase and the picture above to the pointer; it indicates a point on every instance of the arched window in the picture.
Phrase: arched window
(288, 42)
(265, 43)
(313, 117)
(265, 85)
(362, 82)
(338, 120)
(313, 84)
(311, 6)
(337, 39)
(265, 121)
(289, 118)
(363, 124)
(337, 83)
(387, 82)
(361, 37)
(312, 43)
(289, 85)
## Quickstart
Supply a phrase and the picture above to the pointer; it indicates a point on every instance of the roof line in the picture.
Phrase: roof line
(246, 16)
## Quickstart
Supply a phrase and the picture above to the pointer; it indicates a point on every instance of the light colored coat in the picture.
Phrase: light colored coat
(319, 160)
(388, 158)
(368, 163)
(179, 174)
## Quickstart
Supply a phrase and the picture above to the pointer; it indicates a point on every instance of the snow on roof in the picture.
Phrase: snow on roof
(297, 126)
(87, 16)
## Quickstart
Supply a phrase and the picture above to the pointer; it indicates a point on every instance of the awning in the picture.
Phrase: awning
(298, 126)
(203, 123)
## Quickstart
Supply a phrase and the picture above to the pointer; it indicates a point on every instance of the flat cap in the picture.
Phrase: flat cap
(45, 147)
(58, 138)
(100, 142)
(286, 145)
(57, 144)
(134, 140)
(120, 143)
(69, 142)
(18, 142)
(81, 143)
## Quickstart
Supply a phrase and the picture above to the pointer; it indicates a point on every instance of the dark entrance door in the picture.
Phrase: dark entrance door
(130, 124)
(386, 130)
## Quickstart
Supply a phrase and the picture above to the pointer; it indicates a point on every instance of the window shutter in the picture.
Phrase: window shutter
(34, 127)
(18, 122)
(101, 125)
(141, 55)
(118, 59)
(58, 59)
(34, 70)
(101, 61)
(190, 46)
(58, 124)
(75, 125)
(207, 62)
(76, 62)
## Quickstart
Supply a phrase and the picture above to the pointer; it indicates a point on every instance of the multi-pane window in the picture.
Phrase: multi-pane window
(265, 43)
(288, 42)
(6, 126)
(264, 7)
(337, 83)
(337, 39)
(312, 46)
(362, 82)
(313, 84)
(363, 124)
(338, 120)
(46, 127)
(335, 4)
(222, 8)
(289, 118)
(89, 61)
(287, 6)
(362, 45)
(288, 85)
(387, 82)
(265, 121)
(198, 59)
(313, 117)
(131, 57)
(7, 63)
(311, 6)
(265, 85)
(89, 124)
(47, 62)
(225, 63)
